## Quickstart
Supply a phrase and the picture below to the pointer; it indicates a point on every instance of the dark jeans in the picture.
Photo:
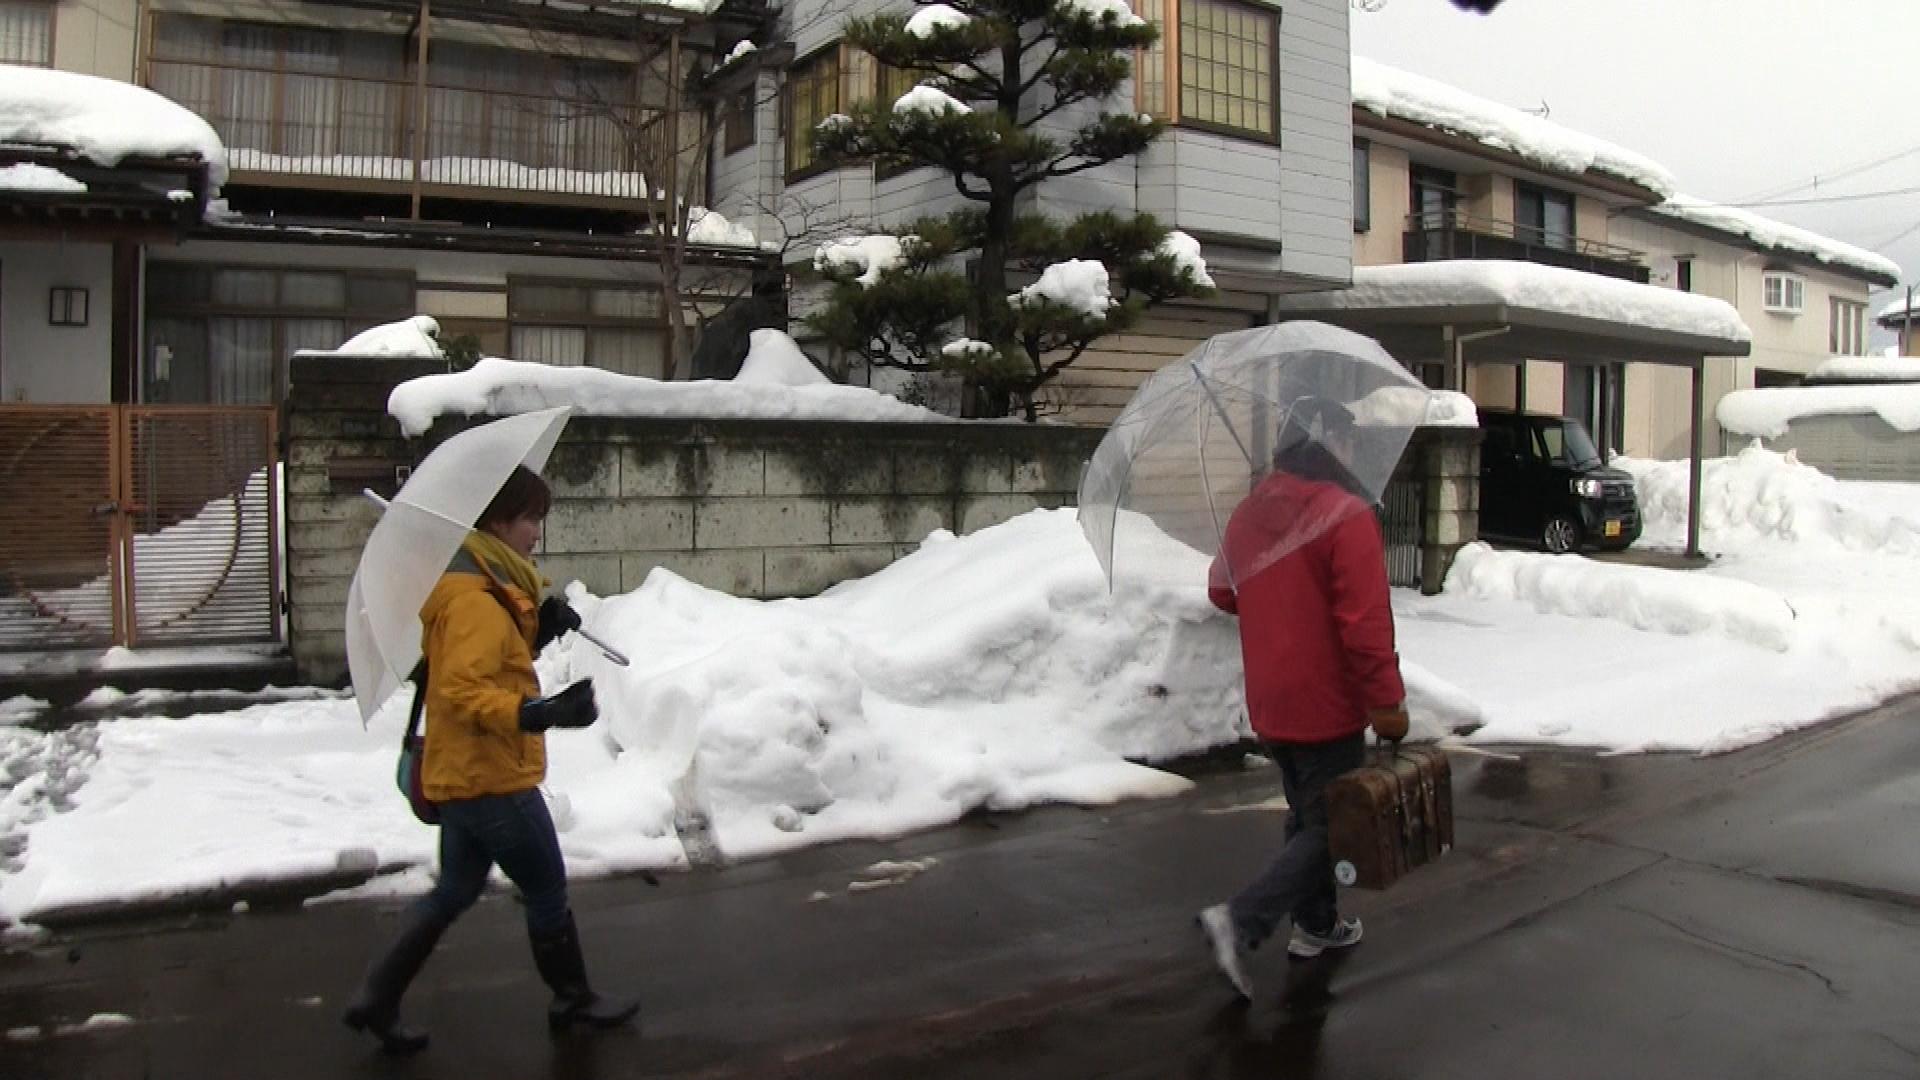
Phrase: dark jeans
(514, 831)
(1299, 885)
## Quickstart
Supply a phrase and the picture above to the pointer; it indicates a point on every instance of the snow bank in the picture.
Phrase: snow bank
(1779, 236)
(774, 359)
(1526, 285)
(418, 336)
(1767, 413)
(871, 256)
(936, 17)
(496, 387)
(930, 100)
(1080, 284)
(104, 120)
(1646, 598)
(30, 177)
(1761, 497)
(1390, 92)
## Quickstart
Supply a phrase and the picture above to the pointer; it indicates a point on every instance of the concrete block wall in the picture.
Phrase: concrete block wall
(1448, 460)
(754, 508)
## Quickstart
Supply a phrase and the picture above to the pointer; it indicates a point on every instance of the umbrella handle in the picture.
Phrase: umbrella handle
(377, 500)
(613, 654)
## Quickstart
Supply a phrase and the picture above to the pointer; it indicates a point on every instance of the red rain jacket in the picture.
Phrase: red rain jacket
(1316, 626)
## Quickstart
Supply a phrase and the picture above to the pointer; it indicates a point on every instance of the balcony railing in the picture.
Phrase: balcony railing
(360, 129)
(1454, 235)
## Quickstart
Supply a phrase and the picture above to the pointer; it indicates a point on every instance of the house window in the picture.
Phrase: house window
(1544, 216)
(1783, 293)
(813, 94)
(1434, 194)
(586, 324)
(1683, 274)
(1362, 186)
(26, 32)
(1847, 333)
(221, 335)
(1224, 57)
(740, 119)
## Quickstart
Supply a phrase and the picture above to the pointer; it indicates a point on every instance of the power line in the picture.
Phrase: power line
(1842, 174)
(1820, 199)
(1897, 237)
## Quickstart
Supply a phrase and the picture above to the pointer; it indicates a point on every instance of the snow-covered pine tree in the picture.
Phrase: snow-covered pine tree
(991, 75)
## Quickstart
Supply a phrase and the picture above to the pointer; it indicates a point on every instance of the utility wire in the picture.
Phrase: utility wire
(1822, 199)
(1897, 237)
(1842, 174)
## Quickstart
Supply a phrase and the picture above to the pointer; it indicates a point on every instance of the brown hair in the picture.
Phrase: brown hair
(523, 495)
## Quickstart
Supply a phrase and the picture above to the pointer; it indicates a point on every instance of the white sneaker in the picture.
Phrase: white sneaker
(1228, 953)
(1308, 945)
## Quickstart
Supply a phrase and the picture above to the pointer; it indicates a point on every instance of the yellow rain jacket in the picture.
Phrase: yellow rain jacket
(477, 634)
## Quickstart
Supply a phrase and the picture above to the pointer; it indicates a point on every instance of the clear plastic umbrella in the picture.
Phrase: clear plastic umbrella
(1301, 398)
(419, 533)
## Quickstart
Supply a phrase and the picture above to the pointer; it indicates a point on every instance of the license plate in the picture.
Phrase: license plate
(1612, 529)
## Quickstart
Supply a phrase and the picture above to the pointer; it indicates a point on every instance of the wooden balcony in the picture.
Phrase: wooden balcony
(292, 128)
(1452, 235)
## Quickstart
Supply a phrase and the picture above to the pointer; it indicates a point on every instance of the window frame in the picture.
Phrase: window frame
(740, 119)
(1362, 185)
(1792, 292)
(1683, 274)
(1847, 326)
(51, 10)
(1545, 196)
(585, 320)
(837, 51)
(1170, 70)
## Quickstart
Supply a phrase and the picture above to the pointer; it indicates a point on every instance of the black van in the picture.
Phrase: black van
(1541, 482)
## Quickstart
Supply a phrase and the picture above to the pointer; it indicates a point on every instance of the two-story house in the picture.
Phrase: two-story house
(482, 163)
(1255, 166)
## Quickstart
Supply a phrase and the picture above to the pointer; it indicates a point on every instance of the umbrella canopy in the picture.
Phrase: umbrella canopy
(419, 533)
(1301, 399)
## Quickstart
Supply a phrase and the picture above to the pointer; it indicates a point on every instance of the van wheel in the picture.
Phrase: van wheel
(1561, 535)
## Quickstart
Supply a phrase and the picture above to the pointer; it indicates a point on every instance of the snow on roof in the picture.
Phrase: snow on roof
(1898, 309)
(1890, 368)
(1768, 413)
(29, 177)
(103, 120)
(1530, 286)
(1778, 236)
(498, 387)
(1402, 95)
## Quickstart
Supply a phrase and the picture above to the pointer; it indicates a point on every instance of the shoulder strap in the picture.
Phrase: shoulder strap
(419, 678)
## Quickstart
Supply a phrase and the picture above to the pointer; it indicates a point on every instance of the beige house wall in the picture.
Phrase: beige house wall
(1389, 194)
(95, 37)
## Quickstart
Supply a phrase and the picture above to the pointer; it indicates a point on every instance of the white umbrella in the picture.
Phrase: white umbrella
(418, 535)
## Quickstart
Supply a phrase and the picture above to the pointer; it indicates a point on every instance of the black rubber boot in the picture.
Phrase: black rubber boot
(376, 1009)
(565, 971)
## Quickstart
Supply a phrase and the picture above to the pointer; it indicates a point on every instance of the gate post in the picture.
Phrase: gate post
(1450, 468)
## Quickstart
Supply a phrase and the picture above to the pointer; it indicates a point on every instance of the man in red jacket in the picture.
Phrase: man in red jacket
(1316, 637)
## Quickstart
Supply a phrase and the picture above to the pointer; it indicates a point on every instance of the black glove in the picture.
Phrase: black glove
(570, 708)
(556, 618)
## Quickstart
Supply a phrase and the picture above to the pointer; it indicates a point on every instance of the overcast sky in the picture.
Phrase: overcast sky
(1742, 100)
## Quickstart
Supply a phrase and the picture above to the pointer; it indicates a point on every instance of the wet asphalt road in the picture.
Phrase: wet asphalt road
(1753, 915)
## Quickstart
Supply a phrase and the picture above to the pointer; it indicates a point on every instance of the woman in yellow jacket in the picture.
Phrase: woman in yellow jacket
(485, 757)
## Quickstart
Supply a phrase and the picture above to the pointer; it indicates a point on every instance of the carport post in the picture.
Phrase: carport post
(1693, 461)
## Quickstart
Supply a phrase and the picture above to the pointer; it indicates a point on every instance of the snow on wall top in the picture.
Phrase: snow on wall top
(1402, 95)
(1779, 236)
(102, 120)
(1530, 286)
(1890, 368)
(1767, 413)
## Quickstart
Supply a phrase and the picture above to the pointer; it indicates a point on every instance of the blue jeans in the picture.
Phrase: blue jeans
(1299, 885)
(513, 831)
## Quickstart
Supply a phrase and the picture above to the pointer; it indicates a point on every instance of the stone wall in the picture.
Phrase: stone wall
(1447, 461)
(751, 507)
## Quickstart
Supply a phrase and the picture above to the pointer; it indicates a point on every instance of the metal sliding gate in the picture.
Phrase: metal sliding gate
(1402, 520)
(138, 525)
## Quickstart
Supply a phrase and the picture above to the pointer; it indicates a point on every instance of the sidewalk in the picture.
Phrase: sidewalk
(1749, 915)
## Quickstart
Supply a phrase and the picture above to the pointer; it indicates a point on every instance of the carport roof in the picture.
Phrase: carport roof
(1528, 312)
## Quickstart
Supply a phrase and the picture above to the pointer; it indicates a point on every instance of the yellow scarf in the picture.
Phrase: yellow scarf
(493, 553)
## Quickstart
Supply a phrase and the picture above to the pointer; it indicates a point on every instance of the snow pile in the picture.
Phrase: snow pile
(743, 48)
(711, 228)
(1890, 367)
(1529, 286)
(964, 349)
(1758, 497)
(30, 177)
(930, 100)
(1185, 252)
(497, 387)
(1646, 598)
(103, 120)
(1779, 236)
(1080, 284)
(871, 256)
(935, 17)
(1103, 10)
(1390, 92)
(773, 359)
(1451, 408)
(418, 336)
(1767, 413)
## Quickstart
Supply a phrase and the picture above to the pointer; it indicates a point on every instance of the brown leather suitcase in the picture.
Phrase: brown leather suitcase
(1390, 815)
